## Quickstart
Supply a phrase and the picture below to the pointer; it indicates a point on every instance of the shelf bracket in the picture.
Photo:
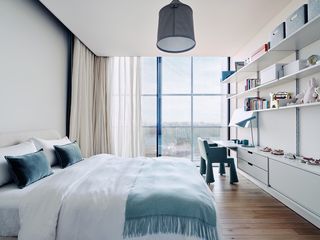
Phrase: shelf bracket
(297, 112)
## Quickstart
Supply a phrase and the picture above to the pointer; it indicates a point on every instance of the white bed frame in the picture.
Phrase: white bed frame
(12, 138)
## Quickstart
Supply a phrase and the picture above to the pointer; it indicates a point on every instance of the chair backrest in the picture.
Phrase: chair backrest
(203, 145)
(214, 154)
(218, 154)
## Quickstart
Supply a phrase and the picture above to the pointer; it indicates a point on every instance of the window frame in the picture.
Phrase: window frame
(159, 96)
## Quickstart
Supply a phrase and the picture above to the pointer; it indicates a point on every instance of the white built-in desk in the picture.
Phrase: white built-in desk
(294, 183)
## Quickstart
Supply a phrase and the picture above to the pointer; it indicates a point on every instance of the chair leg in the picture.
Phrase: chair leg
(233, 173)
(209, 173)
(222, 169)
(202, 166)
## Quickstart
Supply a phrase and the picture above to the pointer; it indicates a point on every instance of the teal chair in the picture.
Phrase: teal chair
(211, 153)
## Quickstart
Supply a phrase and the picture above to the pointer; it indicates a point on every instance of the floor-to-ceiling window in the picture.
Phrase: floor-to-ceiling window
(182, 99)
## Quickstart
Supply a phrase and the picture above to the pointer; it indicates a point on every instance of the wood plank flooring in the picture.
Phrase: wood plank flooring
(246, 212)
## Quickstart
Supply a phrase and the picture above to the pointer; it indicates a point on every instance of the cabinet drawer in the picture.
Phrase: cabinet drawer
(253, 171)
(255, 159)
(300, 186)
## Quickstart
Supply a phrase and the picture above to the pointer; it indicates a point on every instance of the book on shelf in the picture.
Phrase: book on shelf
(252, 83)
(256, 103)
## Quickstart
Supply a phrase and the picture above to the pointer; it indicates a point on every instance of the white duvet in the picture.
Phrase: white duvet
(86, 201)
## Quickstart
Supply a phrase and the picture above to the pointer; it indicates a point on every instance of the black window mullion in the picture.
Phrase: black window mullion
(191, 108)
(159, 106)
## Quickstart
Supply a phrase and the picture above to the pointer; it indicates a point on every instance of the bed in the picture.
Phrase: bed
(107, 197)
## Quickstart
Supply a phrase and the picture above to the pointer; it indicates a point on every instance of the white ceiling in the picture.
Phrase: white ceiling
(129, 27)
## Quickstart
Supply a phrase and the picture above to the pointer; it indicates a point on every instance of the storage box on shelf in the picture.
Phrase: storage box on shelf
(273, 72)
(278, 34)
(313, 9)
(297, 19)
(294, 67)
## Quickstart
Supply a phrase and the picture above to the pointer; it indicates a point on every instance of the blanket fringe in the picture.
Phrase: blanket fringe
(168, 225)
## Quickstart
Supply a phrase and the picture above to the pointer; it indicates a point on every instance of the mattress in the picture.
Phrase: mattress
(10, 199)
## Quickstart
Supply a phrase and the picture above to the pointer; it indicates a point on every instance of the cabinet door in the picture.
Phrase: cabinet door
(300, 186)
(253, 171)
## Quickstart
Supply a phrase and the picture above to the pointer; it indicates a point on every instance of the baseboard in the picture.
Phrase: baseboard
(309, 216)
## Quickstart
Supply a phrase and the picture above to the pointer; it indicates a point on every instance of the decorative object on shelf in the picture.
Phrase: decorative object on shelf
(313, 9)
(175, 28)
(265, 149)
(245, 142)
(309, 93)
(273, 72)
(298, 99)
(310, 161)
(238, 65)
(280, 99)
(226, 74)
(278, 152)
(294, 67)
(313, 60)
(296, 20)
(259, 52)
(317, 94)
(247, 61)
(290, 156)
(278, 34)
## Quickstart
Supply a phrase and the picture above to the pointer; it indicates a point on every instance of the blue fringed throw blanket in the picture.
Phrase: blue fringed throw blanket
(169, 197)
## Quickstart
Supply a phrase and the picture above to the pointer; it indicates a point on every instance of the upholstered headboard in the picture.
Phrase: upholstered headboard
(11, 138)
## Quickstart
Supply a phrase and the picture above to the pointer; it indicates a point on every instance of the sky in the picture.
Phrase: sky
(177, 79)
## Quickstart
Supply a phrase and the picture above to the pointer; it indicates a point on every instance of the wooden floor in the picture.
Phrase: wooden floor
(246, 212)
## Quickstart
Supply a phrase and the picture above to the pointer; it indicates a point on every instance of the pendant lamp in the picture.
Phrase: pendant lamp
(175, 29)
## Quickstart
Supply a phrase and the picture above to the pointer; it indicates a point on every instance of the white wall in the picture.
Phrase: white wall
(33, 68)
(278, 128)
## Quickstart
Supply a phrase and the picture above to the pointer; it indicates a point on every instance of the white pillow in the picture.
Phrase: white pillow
(48, 147)
(15, 150)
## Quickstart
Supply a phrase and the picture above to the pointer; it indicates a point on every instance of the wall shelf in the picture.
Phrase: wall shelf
(289, 107)
(301, 38)
(292, 77)
(264, 61)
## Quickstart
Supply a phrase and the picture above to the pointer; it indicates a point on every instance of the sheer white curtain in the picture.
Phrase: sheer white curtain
(105, 105)
(124, 106)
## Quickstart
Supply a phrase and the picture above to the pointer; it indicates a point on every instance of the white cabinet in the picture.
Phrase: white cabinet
(253, 171)
(254, 158)
(300, 186)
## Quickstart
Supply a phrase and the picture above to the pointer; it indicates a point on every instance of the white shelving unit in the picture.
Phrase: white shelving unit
(303, 37)
(270, 178)
(292, 77)
(289, 107)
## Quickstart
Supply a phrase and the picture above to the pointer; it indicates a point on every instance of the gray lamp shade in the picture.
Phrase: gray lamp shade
(175, 29)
